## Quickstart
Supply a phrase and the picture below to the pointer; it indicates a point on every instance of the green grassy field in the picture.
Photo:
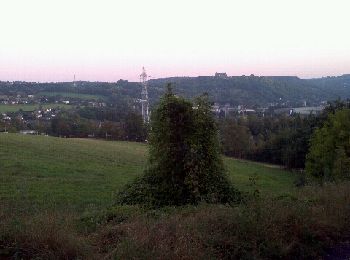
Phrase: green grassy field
(44, 172)
(71, 95)
(29, 107)
(56, 193)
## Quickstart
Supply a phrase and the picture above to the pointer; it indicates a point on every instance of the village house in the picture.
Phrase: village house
(28, 132)
(221, 75)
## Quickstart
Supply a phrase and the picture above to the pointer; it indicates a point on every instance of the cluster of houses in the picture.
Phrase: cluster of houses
(21, 99)
(241, 110)
(315, 110)
(48, 107)
(18, 99)
(96, 104)
(27, 118)
(5, 117)
(227, 109)
(45, 114)
(42, 99)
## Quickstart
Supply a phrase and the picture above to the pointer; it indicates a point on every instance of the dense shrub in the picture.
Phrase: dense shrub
(44, 236)
(303, 226)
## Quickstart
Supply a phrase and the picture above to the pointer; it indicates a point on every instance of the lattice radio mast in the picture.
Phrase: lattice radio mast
(144, 96)
(74, 83)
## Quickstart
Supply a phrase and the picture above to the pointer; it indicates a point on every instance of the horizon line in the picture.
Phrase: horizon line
(133, 81)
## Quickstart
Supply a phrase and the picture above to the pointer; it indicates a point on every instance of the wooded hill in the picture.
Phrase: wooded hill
(246, 90)
(254, 90)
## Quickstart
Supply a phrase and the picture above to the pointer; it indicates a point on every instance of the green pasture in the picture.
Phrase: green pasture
(48, 172)
(6, 108)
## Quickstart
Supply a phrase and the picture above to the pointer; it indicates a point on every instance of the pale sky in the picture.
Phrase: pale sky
(51, 40)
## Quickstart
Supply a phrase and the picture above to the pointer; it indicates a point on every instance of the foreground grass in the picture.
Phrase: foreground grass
(303, 226)
(56, 202)
(270, 180)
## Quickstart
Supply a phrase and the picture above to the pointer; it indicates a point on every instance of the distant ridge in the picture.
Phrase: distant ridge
(234, 90)
(260, 90)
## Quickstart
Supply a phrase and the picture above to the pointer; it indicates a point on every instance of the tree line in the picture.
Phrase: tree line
(110, 123)
(320, 144)
(278, 139)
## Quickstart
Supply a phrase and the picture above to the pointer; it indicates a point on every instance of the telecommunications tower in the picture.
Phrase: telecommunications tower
(74, 83)
(144, 96)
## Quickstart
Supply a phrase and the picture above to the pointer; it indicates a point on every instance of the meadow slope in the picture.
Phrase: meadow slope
(46, 172)
(57, 196)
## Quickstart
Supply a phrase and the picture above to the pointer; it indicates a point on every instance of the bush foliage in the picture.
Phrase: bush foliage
(329, 156)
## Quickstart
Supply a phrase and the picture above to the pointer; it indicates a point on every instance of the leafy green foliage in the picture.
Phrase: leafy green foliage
(301, 226)
(184, 164)
(329, 157)
(282, 140)
(135, 129)
(235, 138)
(99, 123)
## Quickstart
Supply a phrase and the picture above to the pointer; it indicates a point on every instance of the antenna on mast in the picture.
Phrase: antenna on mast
(144, 96)
(74, 84)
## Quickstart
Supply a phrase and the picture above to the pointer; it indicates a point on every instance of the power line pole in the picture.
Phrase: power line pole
(144, 96)
(74, 83)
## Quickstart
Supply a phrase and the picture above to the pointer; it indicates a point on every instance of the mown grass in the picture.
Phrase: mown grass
(270, 180)
(47, 172)
(6, 108)
(71, 95)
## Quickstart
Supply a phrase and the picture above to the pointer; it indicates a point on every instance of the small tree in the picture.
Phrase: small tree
(329, 156)
(184, 161)
(135, 129)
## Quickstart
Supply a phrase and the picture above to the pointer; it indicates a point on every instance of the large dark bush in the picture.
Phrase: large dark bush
(184, 161)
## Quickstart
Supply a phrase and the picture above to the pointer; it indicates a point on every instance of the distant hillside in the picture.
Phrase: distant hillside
(333, 87)
(253, 90)
(247, 90)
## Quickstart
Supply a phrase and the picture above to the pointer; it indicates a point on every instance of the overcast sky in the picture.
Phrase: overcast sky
(51, 40)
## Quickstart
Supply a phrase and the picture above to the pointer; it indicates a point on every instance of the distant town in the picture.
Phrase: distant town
(30, 107)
